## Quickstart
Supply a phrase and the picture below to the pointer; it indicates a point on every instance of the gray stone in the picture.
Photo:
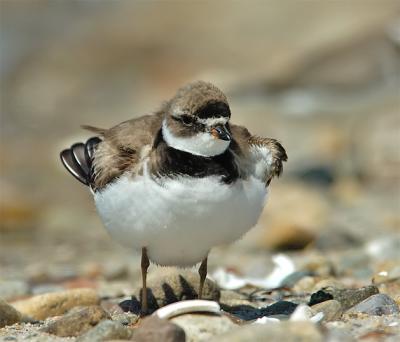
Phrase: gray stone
(8, 315)
(76, 322)
(378, 305)
(331, 309)
(201, 327)
(154, 329)
(106, 330)
(274, 332)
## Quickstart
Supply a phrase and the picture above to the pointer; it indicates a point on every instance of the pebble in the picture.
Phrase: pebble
(106, 330)
(126, 318)
(200, 327)
(329, 282)
(331, 309)
(282, 331)
(154, 329)
(168, 286)
(319, 265)
(378, 305)
(57, 303)
(77, 321)
(10, 289)
(346, 297)
(234, 298)
(8, 315)
(305, 285)
(391, 275)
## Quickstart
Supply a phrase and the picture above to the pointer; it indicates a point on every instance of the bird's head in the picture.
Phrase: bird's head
(197, 120)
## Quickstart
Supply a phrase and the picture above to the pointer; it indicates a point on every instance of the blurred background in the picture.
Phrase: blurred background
(323, 77)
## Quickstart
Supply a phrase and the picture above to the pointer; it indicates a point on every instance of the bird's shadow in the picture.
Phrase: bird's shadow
(168, 296)
(185, 291)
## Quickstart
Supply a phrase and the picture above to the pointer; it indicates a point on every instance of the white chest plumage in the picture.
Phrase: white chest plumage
(179, 219)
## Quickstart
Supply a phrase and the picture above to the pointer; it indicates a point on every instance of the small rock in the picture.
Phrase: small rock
(288, 237)
(57, 303)
(154, 329)
(283, 331)
(234, 298)
(76, 322)
(8, 315)
(106, 330)
(330, 282)
(308, 214)
(331, 309)
(392, 275)
(304, 313)
(319, 265)
(378, 305)
(200, 327)
(346, 297)
(126, 318)
(10, 289)
(168, 286)
(305, 285)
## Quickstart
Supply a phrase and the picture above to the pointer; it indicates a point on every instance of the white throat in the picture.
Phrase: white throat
(202, 144)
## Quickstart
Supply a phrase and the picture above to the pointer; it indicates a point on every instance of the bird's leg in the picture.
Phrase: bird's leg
(203, 275)
(145, 265)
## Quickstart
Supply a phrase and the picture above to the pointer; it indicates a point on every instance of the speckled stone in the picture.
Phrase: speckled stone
(202, 327)
(8, 315)
(379, 304)
(106, 330)
(57, 303)
(346, 297)
(76, 322)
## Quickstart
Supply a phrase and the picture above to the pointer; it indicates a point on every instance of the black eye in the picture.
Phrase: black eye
(187, 120)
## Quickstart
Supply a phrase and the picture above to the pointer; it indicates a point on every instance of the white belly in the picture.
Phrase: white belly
(180, 220)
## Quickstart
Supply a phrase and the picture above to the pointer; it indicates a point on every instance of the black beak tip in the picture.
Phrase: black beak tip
(223, 134)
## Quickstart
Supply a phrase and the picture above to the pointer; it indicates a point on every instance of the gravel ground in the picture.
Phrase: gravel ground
(322, 263)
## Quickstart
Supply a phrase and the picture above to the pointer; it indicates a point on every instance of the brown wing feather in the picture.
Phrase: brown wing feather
(244, 143)
(99, 131)
(122, 146)
(278, 153)
(78, 160)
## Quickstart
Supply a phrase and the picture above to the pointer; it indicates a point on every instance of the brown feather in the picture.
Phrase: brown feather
(99, 131)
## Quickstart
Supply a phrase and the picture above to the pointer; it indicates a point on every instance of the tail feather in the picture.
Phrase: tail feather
(78, 150)
(79, 158)
(97, 130)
